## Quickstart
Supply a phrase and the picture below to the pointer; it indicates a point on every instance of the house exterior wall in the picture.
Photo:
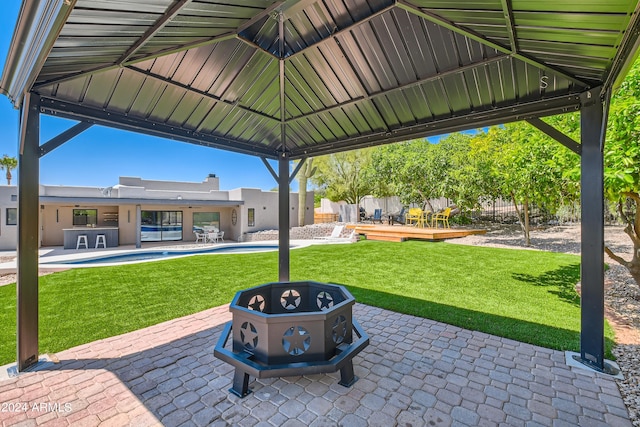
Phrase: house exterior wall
(113, 210)
(225, 221)
(68, 190)
(8, 233)
(265, 205)
(127, 224)
(54, 218)
(211, 183)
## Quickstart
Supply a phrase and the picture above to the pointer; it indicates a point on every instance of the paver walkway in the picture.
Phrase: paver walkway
(415, 372)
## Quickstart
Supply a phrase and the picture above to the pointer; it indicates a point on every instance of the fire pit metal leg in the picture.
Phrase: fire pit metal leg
(347, 377)
(240, 383)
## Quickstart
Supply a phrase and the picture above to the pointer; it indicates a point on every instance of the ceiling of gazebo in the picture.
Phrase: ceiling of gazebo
(314, 77)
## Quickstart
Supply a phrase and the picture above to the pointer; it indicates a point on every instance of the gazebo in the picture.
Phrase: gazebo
(289, 79)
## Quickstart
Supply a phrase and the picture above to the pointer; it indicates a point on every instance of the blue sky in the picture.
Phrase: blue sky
(100, 155)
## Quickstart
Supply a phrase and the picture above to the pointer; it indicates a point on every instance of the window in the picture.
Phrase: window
(86, 217)
(251, 216)
(12, 216)
(161, 225)
(206, 220)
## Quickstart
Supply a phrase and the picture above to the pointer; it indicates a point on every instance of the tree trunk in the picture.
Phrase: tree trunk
(632, 229)
(524, 222)
(426, 202)
(302, 197)
(527, 228)
(304, 174)
(8, 176)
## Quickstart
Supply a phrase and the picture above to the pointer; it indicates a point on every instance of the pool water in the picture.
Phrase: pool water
(155, 255)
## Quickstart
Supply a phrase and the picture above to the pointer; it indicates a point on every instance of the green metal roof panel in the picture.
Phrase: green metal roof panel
(591, 6)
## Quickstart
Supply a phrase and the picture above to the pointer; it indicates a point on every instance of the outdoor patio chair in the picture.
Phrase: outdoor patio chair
(363, 213)
(414, 217)
(400, 218)
(220, 236)
(200, 237)
(377, 216)
(442, 217)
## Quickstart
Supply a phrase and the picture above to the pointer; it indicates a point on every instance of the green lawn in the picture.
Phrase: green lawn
(524, 295)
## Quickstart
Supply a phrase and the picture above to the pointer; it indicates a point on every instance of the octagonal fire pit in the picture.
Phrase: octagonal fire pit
(291, 328)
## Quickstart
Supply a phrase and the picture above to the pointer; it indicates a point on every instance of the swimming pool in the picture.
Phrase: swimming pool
(152, 255)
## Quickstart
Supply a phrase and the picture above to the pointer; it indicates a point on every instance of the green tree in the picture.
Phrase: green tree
(8, 163)
(622, 163)
(531, 168)
(486, 174)
(343, 176)
(419, 171)
(462, 179)
(414, 170)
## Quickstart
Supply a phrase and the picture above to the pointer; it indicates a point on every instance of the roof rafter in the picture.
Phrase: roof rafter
(485, 41)
(204, 94)
(257, 47)
(398, 88)
(507, 11)
(125, 60)
(345, 30)
(153, 30)
(109, 67)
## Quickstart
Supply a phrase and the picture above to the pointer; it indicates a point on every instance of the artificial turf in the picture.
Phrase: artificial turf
(524, 295)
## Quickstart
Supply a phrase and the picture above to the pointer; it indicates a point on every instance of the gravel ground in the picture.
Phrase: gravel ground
(622, 295)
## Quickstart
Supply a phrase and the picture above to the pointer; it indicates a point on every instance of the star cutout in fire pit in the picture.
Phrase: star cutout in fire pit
(290, 301)
(256, 303)
(325, 301)
(296, 340)
(249, 335)
(339, 329)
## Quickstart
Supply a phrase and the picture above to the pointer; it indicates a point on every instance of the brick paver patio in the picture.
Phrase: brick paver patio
(415, 372)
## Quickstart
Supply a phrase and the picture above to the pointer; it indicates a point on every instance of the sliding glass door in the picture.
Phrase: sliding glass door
(161, 225)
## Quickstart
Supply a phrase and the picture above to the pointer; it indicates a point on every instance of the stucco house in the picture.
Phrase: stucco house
(138, 210)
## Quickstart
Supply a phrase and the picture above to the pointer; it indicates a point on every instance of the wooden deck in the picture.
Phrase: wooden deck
(397, 233)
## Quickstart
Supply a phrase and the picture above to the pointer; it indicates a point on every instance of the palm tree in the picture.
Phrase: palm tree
(8, 163)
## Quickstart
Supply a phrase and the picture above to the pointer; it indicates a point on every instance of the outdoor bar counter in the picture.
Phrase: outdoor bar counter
(71, 236)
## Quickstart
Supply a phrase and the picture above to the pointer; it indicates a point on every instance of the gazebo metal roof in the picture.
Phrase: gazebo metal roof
(314, 77)
(296, 78)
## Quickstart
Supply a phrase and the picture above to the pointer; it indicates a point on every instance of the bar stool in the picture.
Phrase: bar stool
(101, 239)
(82, 240)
